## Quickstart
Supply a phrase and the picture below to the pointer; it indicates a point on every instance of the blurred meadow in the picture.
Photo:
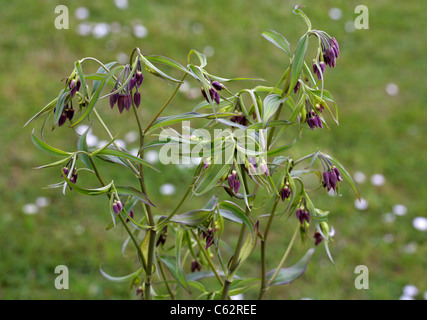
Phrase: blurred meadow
(379, 85)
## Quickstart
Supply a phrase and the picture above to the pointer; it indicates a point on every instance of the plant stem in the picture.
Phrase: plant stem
(263, 246)
(138, 248)
(162, 272)
(285, 256)
(165, 104)
(114, 142)
(235, 259)
(208, 258)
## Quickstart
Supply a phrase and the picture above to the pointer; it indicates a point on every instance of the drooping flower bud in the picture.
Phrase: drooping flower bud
(116, 208)
(113, 99)
(317, 238)
(264, 168)
(218, 86)
(195, 265)
(121, 102)
(297, 87)
(137, 99)
(62, 119)
(215, 95)
(337, 173)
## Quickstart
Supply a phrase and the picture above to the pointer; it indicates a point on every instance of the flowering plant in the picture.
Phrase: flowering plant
(237, 162)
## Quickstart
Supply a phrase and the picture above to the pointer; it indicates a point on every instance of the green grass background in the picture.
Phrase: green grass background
(378, 133)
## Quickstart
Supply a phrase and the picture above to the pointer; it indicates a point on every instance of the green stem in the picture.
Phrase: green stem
(114, 142)
(138, 248)
(208, 258)
(235, 259)
(162, 272)
(285, 256)
(263, 246)
(166, 103)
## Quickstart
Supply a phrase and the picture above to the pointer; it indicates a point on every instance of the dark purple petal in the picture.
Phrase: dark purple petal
(236, 186)
(337, 173)
(128, 101)
(137, 99)
(116, 208)
(297, 87)
(62, 119)
(317, 238)
(333, 179)
(121, 102)
(218, 86)
(204, 94)
(231, 181)
(326, 180)
(132, 83)
(113, 99)
(139, 78)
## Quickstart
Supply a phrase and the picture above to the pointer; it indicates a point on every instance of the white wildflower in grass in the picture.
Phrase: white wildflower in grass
(30, 208)
(167, 189)
(420, 223)
(400, 210)
(378, 179)
(361, 204)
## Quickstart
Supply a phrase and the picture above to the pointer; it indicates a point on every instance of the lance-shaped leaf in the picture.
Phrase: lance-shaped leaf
(122, 278)
(298, 61)
(88, 192)
(249, 245)
(81, 75)
(202, 58)
(235, 213)
(167, 121)
(131, 191)
(82, 146)
(167, 61)
(102, 71)
(156, 71)
(43, 146)
(50, 106)
(287, 275)
(280, 150)
(125, 155)
(60, 105)
(192, 218)
(278, 40)
(176, 270)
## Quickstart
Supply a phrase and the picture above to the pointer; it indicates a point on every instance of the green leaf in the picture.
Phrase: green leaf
(47, 148)
(202, 57)
(212, 178)
(192, 218)
(81, 75)
(298, 61)
(120, 279)
(176, 270)
(239, 286)
(88, 192)
(50, 106)
(156, 71)
(280, 150)
(278, 40)
(166, 121)
(131, 191)
(237, 212)
(82, 146)
(103, 70)
(287, 275)
(249, 244)
(299, 12)
(125, 155)
(60, 105)
(56, 163)
(167, 61)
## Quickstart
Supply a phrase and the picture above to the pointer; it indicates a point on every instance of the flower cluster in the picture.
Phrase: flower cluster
(285, 191)
(313, 119)
(233, 181)
(123, 98)
(303, 214)
(117, 207)
(331, 178)
(213, 92)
